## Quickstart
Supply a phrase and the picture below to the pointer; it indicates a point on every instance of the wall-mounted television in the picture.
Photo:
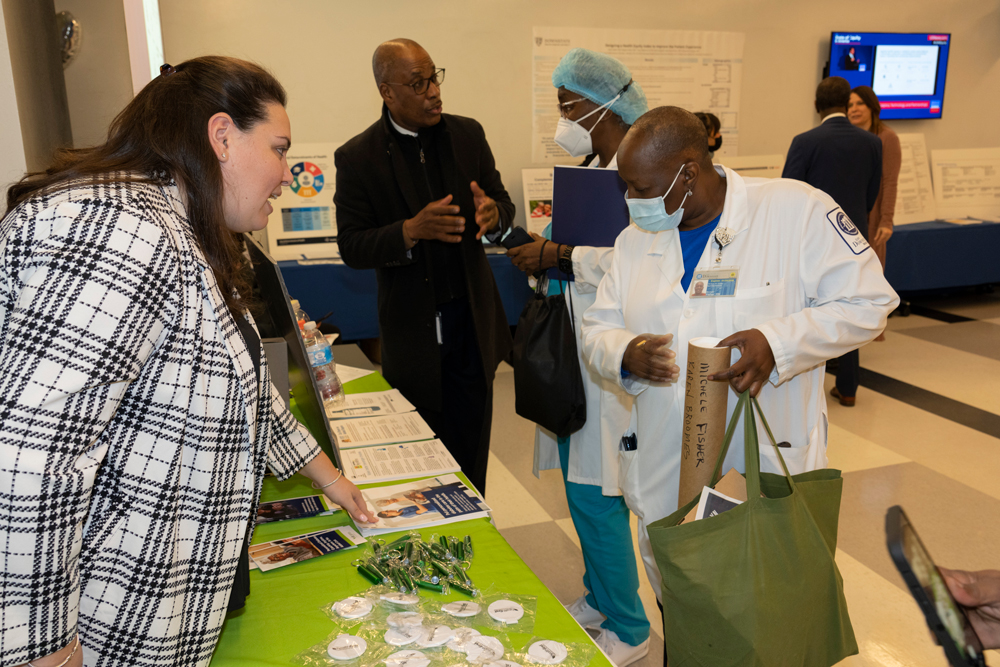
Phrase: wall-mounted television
(906, 70)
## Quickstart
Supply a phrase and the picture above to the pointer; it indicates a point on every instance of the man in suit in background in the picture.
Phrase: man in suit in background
(845, 162)
(416, 192)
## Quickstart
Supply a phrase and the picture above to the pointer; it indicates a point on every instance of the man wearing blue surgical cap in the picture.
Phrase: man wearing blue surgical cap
(598, 102)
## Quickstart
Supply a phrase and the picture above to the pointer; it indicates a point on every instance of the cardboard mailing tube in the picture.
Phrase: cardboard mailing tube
(704, 415)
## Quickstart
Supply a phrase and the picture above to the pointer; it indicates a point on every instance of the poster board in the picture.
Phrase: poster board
(914, 191)
(303, 224)
(967, 183)
(694, 69)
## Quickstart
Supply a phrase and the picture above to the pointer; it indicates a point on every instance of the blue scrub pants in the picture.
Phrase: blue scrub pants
(610, 575)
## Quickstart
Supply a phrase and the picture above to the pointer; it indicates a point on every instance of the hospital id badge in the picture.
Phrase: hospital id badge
(708, 283)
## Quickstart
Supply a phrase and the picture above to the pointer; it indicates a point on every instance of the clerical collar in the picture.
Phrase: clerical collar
(401, 130)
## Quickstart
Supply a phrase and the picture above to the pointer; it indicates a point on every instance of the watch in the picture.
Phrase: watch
(565, 262)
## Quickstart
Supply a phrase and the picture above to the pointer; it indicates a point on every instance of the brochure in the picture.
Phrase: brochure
(350, 373)
(294, 508)
(384, 463)
(422, 504)
(732, 486)
(713, 503)
(291, 550)
(364, 431)
(371, 404)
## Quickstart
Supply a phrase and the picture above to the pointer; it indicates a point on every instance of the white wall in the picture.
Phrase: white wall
(12, 164)
(98, 81)
(321, 51)
(36, 66)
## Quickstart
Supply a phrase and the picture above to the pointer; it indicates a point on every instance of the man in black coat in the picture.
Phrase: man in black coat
(416, 192)
(845, 162)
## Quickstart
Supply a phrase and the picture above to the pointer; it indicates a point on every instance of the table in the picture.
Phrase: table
(937, 255)
(352, 293)
(283, 616)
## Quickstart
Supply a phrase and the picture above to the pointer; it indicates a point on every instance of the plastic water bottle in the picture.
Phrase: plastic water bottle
(300, 315)
(323, 367)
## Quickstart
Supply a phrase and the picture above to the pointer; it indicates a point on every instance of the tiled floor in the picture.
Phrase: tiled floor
(925, 434)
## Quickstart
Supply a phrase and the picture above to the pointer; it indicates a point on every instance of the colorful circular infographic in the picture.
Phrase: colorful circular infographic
(308, 181)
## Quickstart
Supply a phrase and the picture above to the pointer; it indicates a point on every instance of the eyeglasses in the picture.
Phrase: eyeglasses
(420, 87)
(566, 108)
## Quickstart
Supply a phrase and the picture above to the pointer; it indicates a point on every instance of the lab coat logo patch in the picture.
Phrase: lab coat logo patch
(848, 232)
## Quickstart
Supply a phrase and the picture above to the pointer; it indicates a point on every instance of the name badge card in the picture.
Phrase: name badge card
(709, 283)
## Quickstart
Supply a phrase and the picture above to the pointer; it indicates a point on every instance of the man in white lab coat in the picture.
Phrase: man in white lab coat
(808, 288)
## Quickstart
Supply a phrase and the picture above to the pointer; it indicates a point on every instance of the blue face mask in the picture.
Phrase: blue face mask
(651, 214)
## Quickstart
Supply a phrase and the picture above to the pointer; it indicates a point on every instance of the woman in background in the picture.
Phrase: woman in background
(138, 414)
(863, 111)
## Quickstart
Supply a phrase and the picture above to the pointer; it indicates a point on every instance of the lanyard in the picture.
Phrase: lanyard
(723, 236)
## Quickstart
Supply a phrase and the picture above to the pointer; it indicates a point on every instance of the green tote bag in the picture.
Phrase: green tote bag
(756, 586)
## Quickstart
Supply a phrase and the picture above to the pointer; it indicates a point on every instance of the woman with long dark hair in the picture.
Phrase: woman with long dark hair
(863, 111)
(138, 416)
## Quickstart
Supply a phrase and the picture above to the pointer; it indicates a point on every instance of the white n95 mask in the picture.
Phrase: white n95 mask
(573, 138)
(651, 214)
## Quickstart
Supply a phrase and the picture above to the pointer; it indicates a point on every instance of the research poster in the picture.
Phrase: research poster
(693, 69)
(914, 192)
(302, 224)
(967, 183)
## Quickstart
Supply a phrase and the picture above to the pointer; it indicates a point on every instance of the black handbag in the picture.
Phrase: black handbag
(548, 385)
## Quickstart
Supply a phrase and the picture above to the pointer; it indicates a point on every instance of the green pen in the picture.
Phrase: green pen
(369, 575)
(374, 567)
(460, 575)
(440, 588)
(468, 590)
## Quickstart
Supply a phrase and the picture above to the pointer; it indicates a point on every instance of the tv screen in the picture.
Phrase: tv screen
(906, 70)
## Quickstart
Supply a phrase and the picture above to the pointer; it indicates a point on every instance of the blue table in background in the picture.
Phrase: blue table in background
(352, 294)
(939, 255)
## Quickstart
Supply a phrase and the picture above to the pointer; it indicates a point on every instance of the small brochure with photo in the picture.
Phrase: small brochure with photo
(291, 550)
(422, 504)
(729, 491)
(294, 508)
(713, 503)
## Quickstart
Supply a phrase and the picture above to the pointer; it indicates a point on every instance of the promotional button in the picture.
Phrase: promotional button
(506, 611)
(461, 609)
(435, 635)
(407, 659)
(347, 647)
(400, 598)
(403, 636)
(462, 638)
(484, 649)
(547, 652)
(405, 619)
(352, 607)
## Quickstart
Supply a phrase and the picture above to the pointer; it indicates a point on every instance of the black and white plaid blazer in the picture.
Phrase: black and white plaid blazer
(133, 441)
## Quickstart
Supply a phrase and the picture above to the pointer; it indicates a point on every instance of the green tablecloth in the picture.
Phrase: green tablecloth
(282, 616)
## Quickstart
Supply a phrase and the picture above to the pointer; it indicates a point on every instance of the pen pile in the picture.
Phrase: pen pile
(409, 564)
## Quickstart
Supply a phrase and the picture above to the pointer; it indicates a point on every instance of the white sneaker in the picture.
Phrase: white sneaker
(585, 615)
(620, 653)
